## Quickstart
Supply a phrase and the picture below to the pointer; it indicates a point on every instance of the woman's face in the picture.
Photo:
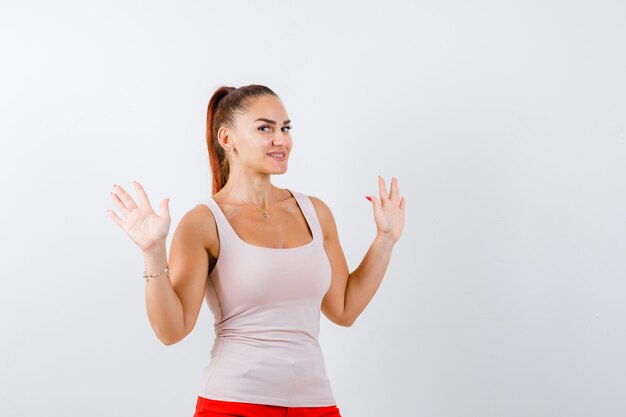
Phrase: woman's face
(261, 137)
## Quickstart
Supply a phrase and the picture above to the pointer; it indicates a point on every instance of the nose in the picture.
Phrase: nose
(280, 139)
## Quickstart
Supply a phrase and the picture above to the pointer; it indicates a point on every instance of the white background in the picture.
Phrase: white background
(504, 123)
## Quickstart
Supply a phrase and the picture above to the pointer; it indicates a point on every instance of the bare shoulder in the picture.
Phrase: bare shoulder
(200, 219)
(319, 205)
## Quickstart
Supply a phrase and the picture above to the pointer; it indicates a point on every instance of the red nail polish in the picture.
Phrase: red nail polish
(368, 198)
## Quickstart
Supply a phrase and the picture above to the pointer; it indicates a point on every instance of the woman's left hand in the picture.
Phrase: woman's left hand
(388, 210)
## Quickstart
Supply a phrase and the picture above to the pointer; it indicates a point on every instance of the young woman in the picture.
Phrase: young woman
(273, 260)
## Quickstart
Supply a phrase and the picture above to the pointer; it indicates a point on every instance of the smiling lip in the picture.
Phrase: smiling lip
(277, 155)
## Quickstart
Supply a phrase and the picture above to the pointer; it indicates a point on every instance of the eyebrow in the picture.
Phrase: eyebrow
(271, 121)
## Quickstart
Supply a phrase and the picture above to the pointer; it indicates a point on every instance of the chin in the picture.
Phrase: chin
(274, 170)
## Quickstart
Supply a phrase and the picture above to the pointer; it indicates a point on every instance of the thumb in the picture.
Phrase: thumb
(375, 202)
(165, 209)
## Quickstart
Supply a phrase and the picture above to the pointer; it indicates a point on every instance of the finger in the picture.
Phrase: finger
(382, 190)
(143, 197)
(165, 209)
(375, 202)
(394, 191)
(125, 198)
(117, 219)
(402, 203)
(120, 204)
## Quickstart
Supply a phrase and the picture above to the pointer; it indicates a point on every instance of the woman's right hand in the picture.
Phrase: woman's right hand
(141, 223)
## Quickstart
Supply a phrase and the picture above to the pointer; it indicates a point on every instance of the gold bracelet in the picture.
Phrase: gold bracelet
(147, 277)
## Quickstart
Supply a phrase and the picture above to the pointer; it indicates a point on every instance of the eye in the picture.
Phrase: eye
(269, 127)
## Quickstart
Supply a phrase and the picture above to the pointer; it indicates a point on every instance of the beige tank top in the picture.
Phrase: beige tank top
(266, 308)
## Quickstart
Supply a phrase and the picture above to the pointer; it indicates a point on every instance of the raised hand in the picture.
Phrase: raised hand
(141, 223)
(388, 210)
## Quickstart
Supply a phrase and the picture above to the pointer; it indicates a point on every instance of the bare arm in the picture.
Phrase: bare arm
(174, 298)
(350, 293)
(364, 281)
(173, 301)
(165, 311)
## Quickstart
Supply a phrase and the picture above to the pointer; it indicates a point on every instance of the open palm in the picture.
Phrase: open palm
(145, 227)
(389, 210)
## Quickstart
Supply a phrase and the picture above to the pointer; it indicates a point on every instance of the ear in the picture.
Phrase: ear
(224, 137)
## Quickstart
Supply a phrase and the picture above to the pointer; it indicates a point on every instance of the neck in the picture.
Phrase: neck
(249, 188)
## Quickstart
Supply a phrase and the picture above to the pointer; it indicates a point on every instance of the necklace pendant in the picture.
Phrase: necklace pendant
(265, 213)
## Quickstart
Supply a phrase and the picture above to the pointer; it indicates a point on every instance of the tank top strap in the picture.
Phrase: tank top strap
(224, 228)
(308, 209)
